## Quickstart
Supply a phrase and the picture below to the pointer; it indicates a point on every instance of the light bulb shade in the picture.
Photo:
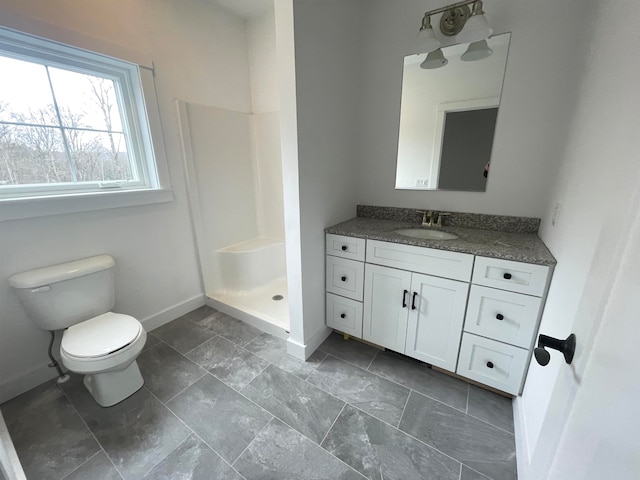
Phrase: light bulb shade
(476, 29)
(426, 40)
(435, 59)
(477, 51)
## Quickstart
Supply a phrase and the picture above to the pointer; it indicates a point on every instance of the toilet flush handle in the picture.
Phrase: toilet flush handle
(44, 288)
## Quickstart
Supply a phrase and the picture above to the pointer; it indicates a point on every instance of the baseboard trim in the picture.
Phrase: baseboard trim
(32, 378)
(41, 374)
(303, 352)
(167, 315)
(522, 448)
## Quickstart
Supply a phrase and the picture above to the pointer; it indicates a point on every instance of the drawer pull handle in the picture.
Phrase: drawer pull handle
(413, 301)
(344, 248)
(500, 316)
(343, 278)
(343, 315)
(404, 298)
(507, 276)
(489, 364)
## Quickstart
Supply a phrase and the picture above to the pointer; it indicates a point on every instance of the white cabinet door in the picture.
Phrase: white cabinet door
(386, 303)
(436, 315)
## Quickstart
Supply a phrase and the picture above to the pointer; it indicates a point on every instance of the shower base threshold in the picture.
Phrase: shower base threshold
(265, 307)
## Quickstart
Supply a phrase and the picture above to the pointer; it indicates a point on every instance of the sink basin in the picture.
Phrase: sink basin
(426, 234)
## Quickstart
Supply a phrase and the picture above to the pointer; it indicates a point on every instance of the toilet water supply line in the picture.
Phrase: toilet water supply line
(62, 377)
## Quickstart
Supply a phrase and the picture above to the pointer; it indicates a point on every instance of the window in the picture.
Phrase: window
(71, 121)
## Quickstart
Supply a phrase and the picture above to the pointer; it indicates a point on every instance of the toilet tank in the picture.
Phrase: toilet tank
(59, 296)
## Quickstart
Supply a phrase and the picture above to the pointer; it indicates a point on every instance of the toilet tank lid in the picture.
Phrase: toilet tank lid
(58, 273)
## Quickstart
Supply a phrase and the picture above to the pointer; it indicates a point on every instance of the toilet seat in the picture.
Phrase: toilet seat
(100, 336)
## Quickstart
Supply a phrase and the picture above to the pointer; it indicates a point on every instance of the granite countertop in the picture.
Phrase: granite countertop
(519, 247)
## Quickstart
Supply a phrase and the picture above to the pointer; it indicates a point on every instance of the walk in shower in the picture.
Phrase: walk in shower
(234, 170)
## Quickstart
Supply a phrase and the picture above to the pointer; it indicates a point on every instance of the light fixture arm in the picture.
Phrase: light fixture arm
(455, 16)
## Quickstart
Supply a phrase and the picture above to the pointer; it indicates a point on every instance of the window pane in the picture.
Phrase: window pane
(86, 100)
(25, 94)
(32, 155)
(99, 157)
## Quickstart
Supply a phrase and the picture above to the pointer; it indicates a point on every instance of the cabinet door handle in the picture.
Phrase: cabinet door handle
(500, 316)
(489, 364)
(344, 248)
(343, 278)
(507, 276)
(413, 301)
(343, 315)
(404, 298)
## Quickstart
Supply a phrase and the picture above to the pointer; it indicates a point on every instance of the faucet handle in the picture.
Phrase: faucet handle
(440, 215)
(426, 214)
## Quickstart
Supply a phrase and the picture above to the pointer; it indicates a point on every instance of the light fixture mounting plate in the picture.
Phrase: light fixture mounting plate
(454, 19)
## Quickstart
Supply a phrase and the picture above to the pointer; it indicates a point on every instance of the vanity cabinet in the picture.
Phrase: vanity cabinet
(471, 315)
(503, 313)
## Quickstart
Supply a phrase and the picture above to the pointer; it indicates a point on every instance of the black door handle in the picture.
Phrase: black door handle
(413, 301)
(404, 298)
(567, 347)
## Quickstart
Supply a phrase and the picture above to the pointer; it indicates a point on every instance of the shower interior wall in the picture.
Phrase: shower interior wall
(235, 162)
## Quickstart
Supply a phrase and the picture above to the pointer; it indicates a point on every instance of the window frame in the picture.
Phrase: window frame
(138, 103)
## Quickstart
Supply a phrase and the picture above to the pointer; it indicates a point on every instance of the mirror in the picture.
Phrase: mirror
(448, 119)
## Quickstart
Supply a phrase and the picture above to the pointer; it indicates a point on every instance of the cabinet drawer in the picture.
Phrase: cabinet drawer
(505, 316)
(345, 247)
(344, 314)
(492, 363)
(514, 276)
(345, 277)
(440, 263)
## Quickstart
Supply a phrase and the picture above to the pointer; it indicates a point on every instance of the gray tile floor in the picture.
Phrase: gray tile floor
(223, 400)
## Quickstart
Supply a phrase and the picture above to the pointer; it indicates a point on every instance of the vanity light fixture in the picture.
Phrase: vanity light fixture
(467, 25)
(435, 59)
(477, 51)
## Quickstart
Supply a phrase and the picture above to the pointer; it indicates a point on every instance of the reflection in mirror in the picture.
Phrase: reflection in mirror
(448, 118)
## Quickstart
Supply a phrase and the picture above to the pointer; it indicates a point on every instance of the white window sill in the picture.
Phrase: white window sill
(16, 209)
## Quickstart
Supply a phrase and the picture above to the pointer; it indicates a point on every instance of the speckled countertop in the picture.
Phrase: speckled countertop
(520, 247)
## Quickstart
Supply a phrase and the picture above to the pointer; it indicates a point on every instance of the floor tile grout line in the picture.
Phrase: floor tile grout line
(460, 474)
(371, 362)
(492, 425)
(395, 428)
(184, 355)
(251, 442)
(92, 433)
(290, 426)
(194, 433)
(403, 409)
(466, 409)
(181, 391)
(316, 367)
(392, 381)
(83, 463)
(406, 433)
(332, 424)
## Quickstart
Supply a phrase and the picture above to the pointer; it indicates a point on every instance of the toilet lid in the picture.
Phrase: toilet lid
(100, 335)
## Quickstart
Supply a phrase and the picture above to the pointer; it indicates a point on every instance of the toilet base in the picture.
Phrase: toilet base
(109, 388)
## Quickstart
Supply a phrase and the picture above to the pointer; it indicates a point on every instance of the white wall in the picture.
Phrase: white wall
(200, 55)
(597, 185)
(538, 87)
(328, 42)
(263, 63)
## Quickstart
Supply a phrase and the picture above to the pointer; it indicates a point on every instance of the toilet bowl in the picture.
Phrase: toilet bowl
(77, 297)
(104, 349)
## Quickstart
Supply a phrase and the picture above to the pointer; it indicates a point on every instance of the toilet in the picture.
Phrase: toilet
(102, 345)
